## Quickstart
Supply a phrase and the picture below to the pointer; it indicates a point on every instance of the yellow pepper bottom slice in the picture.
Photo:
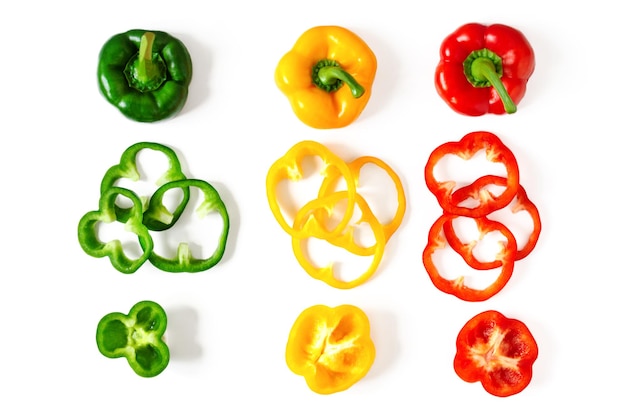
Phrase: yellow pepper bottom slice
(330, 347)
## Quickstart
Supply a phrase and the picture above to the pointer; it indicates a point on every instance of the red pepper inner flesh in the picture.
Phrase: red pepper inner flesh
(497, 351)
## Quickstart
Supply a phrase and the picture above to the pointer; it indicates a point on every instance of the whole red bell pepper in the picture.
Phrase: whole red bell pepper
(497, 351)
(484, 69)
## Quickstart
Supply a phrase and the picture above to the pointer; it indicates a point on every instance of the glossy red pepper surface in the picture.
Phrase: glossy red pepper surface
(484, 69)
(497, 351)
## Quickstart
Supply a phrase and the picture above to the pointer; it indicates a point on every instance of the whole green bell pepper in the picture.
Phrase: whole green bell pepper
(211, 202)
(145, 74)
(137, 336)
(91, 243)
(154, 218)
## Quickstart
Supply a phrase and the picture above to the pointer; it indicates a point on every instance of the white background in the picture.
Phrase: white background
(228, 326)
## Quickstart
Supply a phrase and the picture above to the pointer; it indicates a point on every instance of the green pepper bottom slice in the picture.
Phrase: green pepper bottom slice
(137, 336)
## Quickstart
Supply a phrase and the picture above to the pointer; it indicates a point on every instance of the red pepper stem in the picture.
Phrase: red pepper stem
(484, 69)
(329, 75)
(145, 66)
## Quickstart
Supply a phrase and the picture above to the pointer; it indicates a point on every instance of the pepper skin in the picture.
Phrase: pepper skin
(327, 76)
(154, 219)
(466, 148)
(93, 246)
(137, 336)
(211, 202)
(145, 74)
(330, 347)
(497, 351)
(484, 69)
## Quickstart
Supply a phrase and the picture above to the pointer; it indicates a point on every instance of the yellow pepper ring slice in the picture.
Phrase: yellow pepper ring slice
(288, 167)
(355, 167)
(307, 222)
(331, 347)
(311, 226)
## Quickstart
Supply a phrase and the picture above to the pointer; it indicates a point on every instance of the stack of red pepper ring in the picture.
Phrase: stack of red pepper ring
(450, 199)
(149, 215)
(312, 219)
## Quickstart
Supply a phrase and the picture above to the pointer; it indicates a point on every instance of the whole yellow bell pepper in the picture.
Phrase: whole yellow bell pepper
(327, 76)
(330, 347)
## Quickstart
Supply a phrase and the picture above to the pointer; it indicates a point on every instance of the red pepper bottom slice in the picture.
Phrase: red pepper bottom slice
(497, 351)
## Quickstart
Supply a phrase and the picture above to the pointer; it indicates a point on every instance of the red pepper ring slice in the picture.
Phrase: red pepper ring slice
(521, 202)
(288, 167)
(456, 287)
(355, 167)
(466, 148)
(466, 249)
(307, 222)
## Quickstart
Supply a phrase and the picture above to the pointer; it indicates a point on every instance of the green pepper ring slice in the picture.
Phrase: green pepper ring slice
(93, 246)
(127, 168)
(184, 261)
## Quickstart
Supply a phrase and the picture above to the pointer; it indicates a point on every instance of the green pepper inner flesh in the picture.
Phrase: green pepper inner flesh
(116, 334)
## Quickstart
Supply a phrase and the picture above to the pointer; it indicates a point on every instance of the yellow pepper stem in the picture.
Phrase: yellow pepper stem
(329, 76)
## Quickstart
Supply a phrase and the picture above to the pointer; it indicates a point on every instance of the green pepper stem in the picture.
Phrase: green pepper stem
(329, 75)
(484, 69)
(145, 68)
